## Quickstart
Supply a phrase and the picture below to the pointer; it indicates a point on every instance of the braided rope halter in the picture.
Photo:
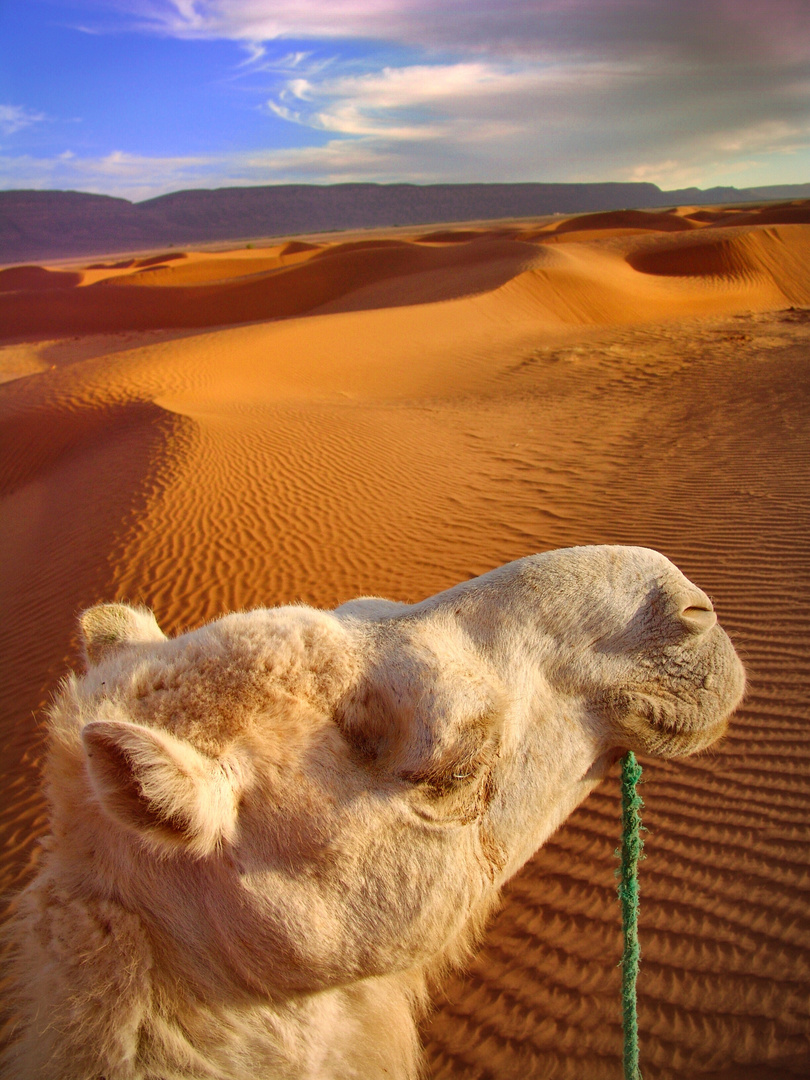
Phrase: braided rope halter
(630, 853)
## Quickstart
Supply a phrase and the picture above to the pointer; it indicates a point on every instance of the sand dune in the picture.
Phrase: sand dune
(164, 299)
(778, 253)
(394, 414)
(627, 219)
(177, 290)
(790, 214)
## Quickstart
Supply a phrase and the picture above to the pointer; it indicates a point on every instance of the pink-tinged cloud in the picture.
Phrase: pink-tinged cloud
(700, 29)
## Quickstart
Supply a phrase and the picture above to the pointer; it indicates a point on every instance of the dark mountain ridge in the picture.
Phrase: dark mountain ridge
(60, 224)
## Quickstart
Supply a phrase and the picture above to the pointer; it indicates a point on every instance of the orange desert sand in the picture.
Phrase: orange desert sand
(392, 413)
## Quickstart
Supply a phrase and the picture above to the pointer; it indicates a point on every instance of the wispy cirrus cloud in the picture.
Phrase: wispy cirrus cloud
(14, 118)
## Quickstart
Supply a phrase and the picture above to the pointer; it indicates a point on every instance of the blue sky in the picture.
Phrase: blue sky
(139, 97)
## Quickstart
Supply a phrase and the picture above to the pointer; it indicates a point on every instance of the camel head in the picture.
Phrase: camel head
(536, 677)
(293, 799)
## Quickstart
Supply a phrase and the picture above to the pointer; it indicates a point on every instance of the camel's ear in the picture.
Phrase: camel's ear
(161, 787)
(106, 628)
(433, 717)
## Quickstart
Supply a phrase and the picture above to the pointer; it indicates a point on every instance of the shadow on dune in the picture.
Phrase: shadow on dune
(326, 277)
(36, 279)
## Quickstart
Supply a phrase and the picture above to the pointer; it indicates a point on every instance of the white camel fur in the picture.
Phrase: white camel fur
(270, 834)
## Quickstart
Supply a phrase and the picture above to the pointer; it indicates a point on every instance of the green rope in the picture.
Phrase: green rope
(630, 854)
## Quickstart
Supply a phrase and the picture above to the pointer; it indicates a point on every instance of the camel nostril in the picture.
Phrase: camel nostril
(698, 619)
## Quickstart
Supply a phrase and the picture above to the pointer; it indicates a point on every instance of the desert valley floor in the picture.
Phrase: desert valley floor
(392, 413)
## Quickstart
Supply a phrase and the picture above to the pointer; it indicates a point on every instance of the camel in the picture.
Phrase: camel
(269, 836)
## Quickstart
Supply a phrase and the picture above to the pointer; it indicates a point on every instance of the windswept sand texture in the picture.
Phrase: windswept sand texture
(395, 413)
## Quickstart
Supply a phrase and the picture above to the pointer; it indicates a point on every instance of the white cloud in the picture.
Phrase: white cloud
(398, 88)
(474, 101)
(14, 118)
(399, 103)
(376, 158)
(745, 157)
(768, 136)
(130, 176)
